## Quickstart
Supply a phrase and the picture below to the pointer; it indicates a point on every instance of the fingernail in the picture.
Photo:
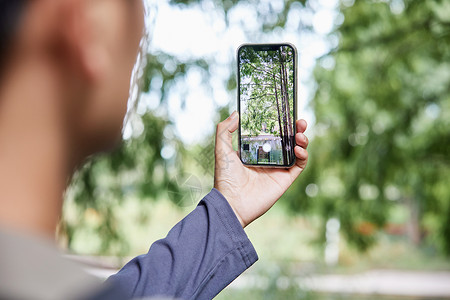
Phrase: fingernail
(233, 115)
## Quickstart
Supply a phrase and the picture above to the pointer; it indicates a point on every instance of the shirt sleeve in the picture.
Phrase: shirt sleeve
(200, 256)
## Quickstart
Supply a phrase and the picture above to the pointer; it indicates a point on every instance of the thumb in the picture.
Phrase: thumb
(224, 131)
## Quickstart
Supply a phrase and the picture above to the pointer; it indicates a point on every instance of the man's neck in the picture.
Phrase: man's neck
(33, 156)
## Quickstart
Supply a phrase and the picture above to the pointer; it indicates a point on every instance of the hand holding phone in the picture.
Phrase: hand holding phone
(269, 134)
(267, 103)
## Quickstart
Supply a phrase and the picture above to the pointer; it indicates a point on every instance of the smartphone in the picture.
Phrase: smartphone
(267, 104)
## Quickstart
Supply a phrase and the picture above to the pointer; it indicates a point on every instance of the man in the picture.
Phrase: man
(64, 82)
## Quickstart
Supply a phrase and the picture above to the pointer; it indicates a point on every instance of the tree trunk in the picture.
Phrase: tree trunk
(283, 108)
(289, 132)
(283, 145)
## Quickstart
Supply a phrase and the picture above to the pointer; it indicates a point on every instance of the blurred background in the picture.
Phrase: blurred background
(370, 216)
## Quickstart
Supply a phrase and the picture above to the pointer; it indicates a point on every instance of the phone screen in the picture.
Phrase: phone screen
(267, 104)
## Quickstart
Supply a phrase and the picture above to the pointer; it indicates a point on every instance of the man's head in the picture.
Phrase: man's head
(87, 49)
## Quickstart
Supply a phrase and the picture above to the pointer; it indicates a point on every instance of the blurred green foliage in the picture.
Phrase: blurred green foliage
(136, 169)
(382, 132)
(380, 140)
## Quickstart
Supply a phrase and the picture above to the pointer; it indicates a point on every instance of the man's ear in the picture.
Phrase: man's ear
(85, 52)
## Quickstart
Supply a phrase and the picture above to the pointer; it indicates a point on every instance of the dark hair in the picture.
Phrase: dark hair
(10, 12)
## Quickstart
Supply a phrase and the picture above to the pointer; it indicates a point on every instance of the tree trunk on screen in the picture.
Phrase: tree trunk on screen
(283, 145)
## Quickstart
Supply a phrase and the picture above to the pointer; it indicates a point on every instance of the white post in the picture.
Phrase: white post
(332, 242)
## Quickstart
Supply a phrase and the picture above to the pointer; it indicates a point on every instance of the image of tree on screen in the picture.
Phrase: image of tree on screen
(266, 100)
